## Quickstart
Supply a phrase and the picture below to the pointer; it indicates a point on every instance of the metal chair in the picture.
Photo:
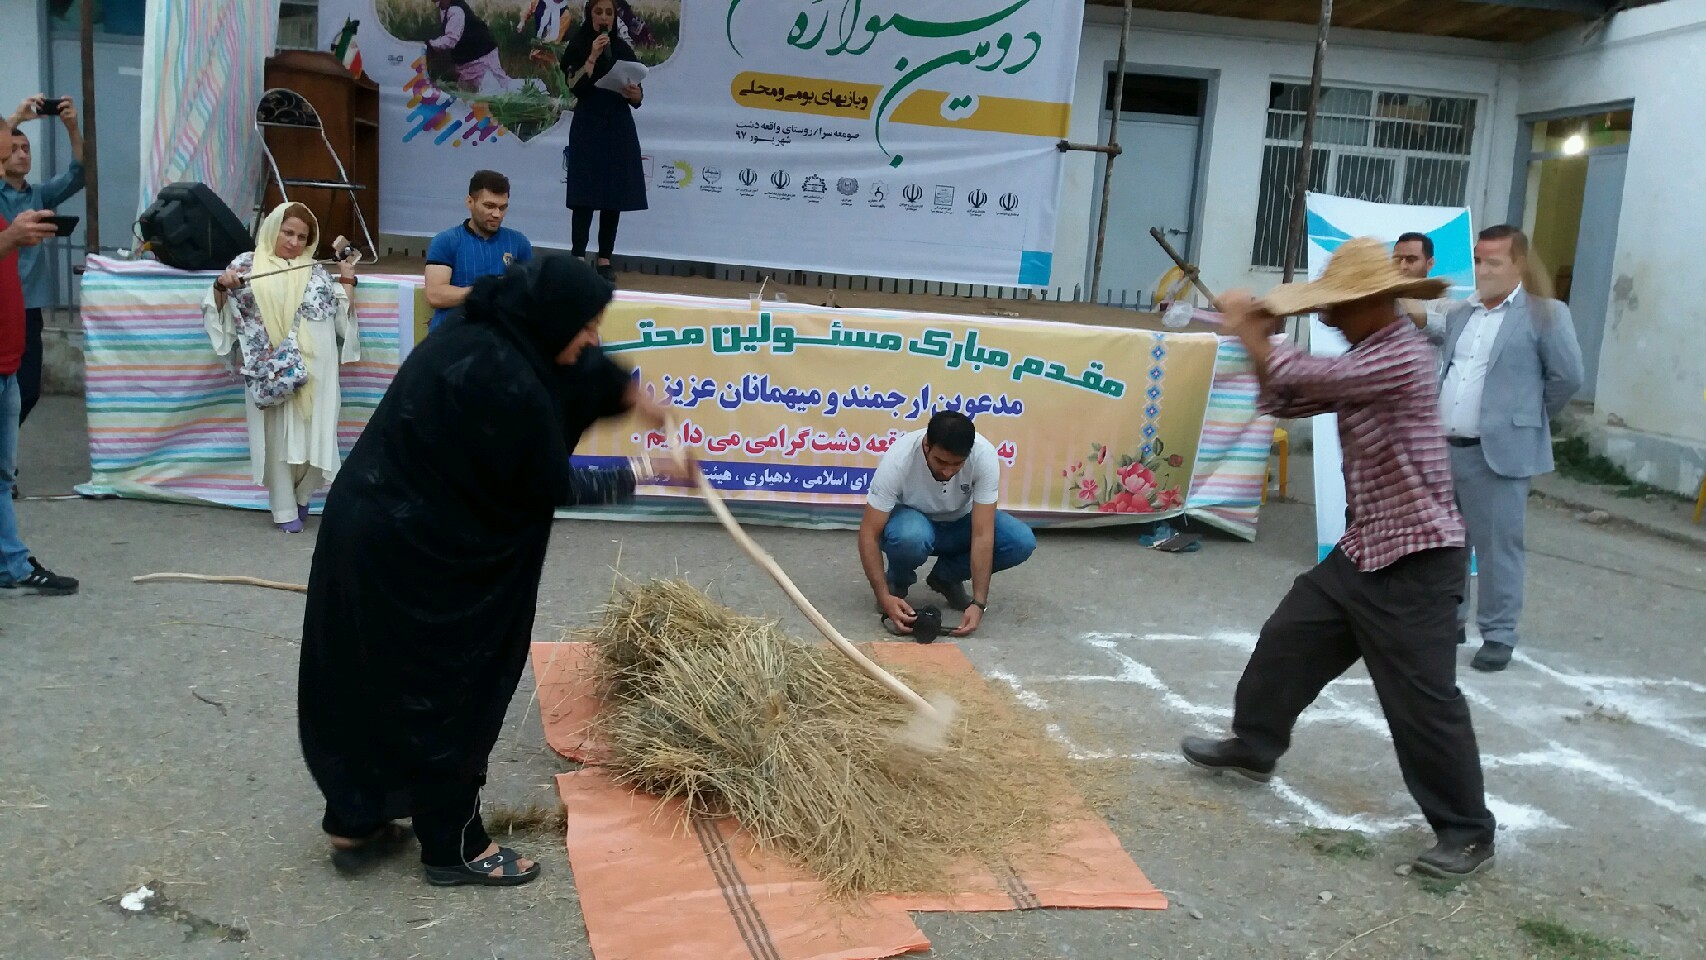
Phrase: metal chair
(285, 109)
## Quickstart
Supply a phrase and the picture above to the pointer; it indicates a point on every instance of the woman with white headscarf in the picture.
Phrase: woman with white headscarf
(253, 308)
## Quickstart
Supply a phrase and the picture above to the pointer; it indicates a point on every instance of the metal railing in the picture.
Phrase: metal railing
(63, 256)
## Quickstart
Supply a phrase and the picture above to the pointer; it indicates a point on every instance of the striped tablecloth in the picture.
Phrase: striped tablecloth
(166, 417)
(1232, 457)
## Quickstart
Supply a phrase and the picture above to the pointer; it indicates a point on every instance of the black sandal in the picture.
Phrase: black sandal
(1180, 543)
(384, 842)
(479, 873)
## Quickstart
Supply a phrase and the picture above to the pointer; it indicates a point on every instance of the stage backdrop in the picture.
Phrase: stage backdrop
(887, 138)
(1331, 221)
(789, 408)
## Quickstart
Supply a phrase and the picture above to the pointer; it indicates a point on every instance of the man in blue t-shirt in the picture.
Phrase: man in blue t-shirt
(481, 246)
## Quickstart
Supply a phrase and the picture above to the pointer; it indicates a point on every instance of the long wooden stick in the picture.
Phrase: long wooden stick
(203, 578)
(759, 556)
(1188, 269)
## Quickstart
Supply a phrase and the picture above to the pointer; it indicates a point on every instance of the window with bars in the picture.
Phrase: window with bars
(298, 24)
(1378, 145)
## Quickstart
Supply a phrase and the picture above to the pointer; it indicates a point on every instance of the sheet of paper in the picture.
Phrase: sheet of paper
(622, 73)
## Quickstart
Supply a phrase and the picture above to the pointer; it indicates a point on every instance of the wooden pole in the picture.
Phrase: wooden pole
(1112, 151)
(1300, 186)
(1189, 269)
(769, 565)
(91, 169)
(204, 578)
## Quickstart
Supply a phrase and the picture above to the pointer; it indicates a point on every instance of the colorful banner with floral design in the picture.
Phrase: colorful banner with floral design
(790, 408)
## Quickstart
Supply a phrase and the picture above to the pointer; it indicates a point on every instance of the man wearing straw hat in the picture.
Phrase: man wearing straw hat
(1388, 592)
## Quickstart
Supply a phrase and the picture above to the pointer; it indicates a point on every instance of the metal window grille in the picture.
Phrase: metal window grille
(298, 25)
(1380, 145)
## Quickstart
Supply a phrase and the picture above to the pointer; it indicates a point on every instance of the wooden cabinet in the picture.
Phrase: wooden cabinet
(348, 110)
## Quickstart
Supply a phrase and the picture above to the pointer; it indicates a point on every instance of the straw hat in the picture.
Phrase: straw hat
(1360, 268)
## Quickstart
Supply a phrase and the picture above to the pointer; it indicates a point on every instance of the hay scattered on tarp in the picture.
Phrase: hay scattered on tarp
(733, 717)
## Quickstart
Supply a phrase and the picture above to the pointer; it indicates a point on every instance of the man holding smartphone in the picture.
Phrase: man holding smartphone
(20, 574)
(18, 195)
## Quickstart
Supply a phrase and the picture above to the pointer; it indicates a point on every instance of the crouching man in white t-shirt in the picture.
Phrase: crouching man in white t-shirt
(934, 494)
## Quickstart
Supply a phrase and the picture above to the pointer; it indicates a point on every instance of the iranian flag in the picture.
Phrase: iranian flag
(345, 49)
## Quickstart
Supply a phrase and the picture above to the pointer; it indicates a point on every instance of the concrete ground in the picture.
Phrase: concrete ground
(150, 736)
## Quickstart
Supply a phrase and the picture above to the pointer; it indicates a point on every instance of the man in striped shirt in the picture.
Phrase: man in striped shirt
(1388, 593)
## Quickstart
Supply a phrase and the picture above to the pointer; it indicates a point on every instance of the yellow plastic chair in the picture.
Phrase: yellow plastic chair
(1282, 443)
(1700, 500)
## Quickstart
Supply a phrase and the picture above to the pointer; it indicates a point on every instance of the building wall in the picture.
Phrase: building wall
(22, 51)
(1244, 57)
(1653, 362)
(118, 84)
(39, 62)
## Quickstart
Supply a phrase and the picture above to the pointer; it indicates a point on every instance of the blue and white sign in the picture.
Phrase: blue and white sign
(1330, 222)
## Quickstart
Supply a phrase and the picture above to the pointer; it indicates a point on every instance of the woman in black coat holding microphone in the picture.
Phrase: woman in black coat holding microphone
(603, 161)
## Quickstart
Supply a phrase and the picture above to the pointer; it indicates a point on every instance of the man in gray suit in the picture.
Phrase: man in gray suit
(1511, 364)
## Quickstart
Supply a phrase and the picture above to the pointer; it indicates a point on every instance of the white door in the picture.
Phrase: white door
(1154, 185)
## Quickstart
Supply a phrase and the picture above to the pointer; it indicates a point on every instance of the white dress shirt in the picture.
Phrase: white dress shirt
(1466, 368)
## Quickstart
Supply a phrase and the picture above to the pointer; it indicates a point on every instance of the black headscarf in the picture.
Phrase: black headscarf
(540, 305)
(580, 45)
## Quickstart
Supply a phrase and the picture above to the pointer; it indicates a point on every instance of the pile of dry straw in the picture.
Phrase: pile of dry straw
(730, 715)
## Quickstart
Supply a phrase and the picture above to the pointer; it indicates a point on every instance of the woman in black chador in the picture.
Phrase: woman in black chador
(421, 601)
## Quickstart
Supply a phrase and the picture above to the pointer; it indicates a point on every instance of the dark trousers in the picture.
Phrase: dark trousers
(580, 227)
(1401, 621)
(446, 818)
(29, 372)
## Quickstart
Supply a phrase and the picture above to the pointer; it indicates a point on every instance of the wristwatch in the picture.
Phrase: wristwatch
(981, 605)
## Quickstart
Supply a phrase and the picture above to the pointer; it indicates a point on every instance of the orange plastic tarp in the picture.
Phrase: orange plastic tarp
(653, 885)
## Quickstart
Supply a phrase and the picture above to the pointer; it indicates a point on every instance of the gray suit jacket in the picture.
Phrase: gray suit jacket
(1536, 368)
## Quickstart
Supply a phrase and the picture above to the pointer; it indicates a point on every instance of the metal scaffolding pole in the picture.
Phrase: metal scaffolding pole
(91, 166)
(1110, 150)
(1300, 186)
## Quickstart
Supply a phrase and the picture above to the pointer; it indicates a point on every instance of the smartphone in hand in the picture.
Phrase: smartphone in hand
(62, 226)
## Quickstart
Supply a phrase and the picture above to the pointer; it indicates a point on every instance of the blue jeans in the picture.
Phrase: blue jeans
(910, 538)
(14, 556)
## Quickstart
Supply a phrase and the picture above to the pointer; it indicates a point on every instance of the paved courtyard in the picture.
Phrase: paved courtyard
(151, 738)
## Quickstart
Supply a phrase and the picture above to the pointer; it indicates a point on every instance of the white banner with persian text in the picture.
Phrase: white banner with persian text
(886, 138)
